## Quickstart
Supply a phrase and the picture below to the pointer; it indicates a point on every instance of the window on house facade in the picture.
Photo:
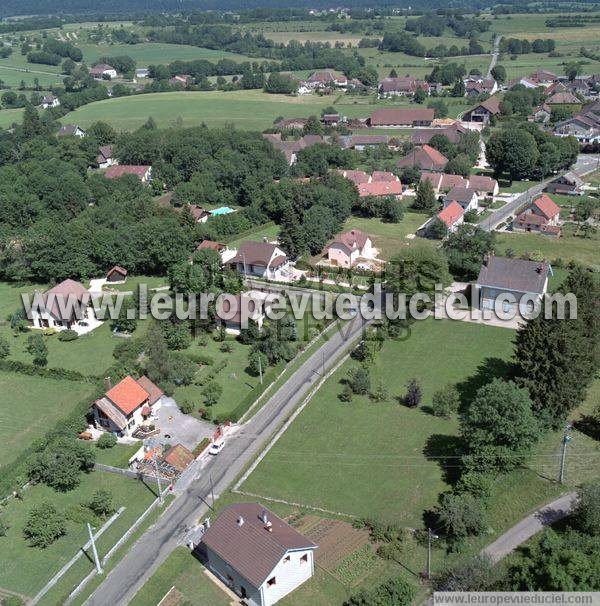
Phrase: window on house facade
(304, 559)
(286, 559)
(271, 582)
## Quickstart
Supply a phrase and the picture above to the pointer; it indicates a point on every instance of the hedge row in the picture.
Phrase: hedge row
(47, 373)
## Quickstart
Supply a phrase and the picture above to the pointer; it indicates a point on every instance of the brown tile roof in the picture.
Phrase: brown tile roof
(106, 153)
(116, 269)
(250, 548)
(60, 295)
(114, 172)
(127, 395)
(547, 206)
(353, 239)
(384, 175)
(211, 245)
(154, 391)
(444, 181)
(380, 188)
(356, 176)
(425, 158)
(482, 183)
(178, 456)
(513, 274)
(368, 140)
(492, 104)
(198, 212)
(451, 214)
(563, 98)
(256, 253)
(389, 116)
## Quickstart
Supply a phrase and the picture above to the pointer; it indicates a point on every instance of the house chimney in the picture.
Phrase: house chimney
(263, 516)
(207, 524)
(107, 383)
(269, 526)
(240, 521)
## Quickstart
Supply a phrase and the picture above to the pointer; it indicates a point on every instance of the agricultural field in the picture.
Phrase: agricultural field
(26, 569)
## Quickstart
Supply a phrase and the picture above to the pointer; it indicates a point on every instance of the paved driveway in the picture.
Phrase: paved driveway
(185, 429)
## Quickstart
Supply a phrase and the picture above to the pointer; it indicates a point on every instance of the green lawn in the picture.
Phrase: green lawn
(10, 116)
(382, 459)
(26, 569)
(132, 282)
(29, 406)
(390, 237)
(187, 575)
(568, 247)
(270, 232)
(148, 53)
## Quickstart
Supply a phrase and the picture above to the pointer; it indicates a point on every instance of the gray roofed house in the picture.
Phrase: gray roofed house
(465, 196)
(71, 129)
(518, 277)
(258, 555)
(570, 184)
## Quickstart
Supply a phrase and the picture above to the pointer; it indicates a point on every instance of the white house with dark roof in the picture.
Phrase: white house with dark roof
(465, 196)
(256, 554)
(50, 101)
(348, 247)
(260, 259)
(518, 277)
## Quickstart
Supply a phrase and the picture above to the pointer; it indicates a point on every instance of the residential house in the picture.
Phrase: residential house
(443, 182)
(404, 86)
(256, 554)
(181, 80)
(475, 86)
(127, 405)
(178, 457)
(541, 114)
(556, 87)
(484, 111)
(71, 130)
(260, 259)
(291, 123)
(518, 277)
(225, 253)
(50, 101)
(568, 184)
(384, 175)
(405, 117)
(485, 186)
(116, 275)
(291, 147)
(102, 71)
(248, 306)
(541, 215)
(424, 157)
(585, 127)
(68, 305)
(143, 173)
(380, 188)
(362, 142)
(105, 157)
(326, 78)
(564, 99)
(454, 133)
(465, 196)
(451, 216)
(200, 214)
(348, 247)
(141, 73)
(543, 76)
(331, 119)
(526, 82)
(357, 177)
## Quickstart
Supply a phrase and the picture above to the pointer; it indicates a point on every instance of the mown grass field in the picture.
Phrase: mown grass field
(383, 459)
(29, 406)
(26, 569)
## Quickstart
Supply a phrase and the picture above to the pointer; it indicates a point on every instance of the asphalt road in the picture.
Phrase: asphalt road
(531, 525)
(584, 164)
(138, 565)
(495, 54)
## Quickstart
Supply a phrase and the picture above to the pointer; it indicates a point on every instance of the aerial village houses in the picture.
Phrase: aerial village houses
(465, 196)
(260, 259)
(50, 101)
(570, 184)
(127, 405)
(484, 111)
(443, 182)
(381, 188)
(143, 173)
(348, 247)
(256, 554)
(254, 303)
(392, 87)
(103, 71)
(61, 308)
(451, 216)
(116, 275)
(326, 78)
(71, 129)
(541, 215)
(105, 157)
(518, 277)
(200, 214)
(407, 117)
(424, 157)
(480, 86)
(453, 132)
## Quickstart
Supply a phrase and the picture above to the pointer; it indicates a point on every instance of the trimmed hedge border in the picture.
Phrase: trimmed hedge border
(47, 373)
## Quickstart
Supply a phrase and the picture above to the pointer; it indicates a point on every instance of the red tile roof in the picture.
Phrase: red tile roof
(380, 188)
(546, 206)
(127, 395)
(178, 456)
(211, 245)
(384, 175)
(356, 176)
(114, 172)
(353, 239)
(424, 157)
(451, 214)
(116, 269)
(389, 116)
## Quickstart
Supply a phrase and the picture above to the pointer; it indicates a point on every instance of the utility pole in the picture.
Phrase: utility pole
(430, 537)
(94, 551)
(260, 368)
(563, 455)
(160, 495)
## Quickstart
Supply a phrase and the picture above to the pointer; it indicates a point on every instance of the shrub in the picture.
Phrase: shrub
(204, 444)
(67, 335)
(587, 513)
(347, 394)
(226, 347)
(4, 348)
(413, 393)
(44, 525)
(445, 401)
(359, 380)
(462, 515)
(210, 374)
(106, 440)
(476, 484)
(101, 503)
(186, 407)
(212, 392)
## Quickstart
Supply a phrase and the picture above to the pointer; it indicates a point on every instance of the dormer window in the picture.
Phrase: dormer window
(286, 559)
(304, 559)
(271, 582)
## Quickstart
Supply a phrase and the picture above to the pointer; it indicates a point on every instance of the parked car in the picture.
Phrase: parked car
(216, 447)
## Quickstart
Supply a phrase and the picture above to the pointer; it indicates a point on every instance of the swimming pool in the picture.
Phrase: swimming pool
(222, 210)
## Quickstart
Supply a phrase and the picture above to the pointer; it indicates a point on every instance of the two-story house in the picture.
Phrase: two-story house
(260, 259)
